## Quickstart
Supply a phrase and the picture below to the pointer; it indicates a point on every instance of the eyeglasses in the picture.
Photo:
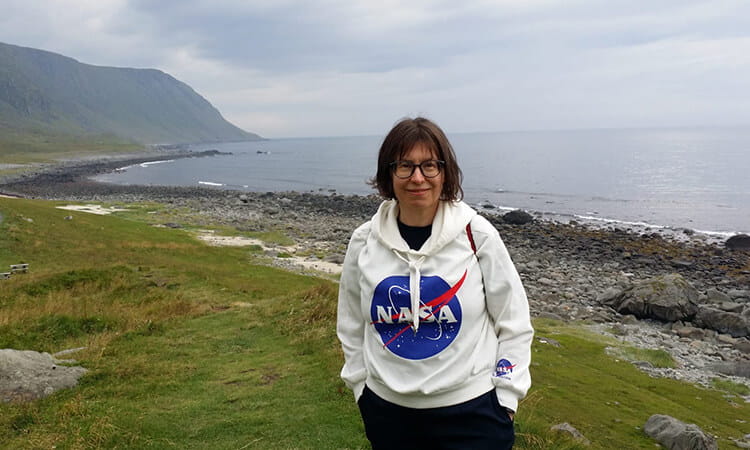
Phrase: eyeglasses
(405, 169)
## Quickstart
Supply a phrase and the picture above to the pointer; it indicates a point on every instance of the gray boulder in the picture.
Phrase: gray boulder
(668, 298)
(738, 242)
(29, 375)
(732, 368)
(677, 435)
(517, 217)
(743, 345)
(725, 322)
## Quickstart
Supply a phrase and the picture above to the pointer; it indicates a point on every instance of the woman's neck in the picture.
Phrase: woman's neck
(417, 217)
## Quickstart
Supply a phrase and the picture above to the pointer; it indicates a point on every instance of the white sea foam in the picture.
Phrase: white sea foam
(211, 183)
(621, 222)
(719, 234)
(151, 163)
(676, 232)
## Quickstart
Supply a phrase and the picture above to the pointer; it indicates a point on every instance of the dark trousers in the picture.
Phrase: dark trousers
(480, 423)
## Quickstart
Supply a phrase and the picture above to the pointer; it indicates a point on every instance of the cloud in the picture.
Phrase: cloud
(333, 67)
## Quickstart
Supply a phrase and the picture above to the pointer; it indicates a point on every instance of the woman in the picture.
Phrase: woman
(432, 316)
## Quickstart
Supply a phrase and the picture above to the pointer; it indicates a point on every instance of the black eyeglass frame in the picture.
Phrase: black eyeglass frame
(440, 164)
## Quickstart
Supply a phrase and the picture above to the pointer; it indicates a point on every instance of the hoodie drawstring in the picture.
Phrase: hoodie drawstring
(414, 287)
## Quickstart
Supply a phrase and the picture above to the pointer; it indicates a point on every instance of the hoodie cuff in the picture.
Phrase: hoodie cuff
(358, 389)
(507, 400)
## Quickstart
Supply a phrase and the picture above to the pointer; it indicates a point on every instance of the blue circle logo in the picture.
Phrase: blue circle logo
(504, 368)
(439, 316)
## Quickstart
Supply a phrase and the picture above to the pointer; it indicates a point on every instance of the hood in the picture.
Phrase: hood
(450, 221)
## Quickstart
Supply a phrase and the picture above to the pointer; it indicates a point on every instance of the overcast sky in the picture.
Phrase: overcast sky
(288, 68)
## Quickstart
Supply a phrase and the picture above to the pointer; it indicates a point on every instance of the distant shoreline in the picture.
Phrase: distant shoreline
(73, 180)
(72, 177)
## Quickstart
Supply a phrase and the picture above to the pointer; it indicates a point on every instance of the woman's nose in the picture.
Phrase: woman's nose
(417, 176)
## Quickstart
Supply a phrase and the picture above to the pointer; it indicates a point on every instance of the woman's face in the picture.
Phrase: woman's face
(418, 196)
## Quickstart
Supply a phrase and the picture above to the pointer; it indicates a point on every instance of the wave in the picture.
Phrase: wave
(554, 195)
(211, 183)
(619, 221)
(143, 164)
(151, 163)
(607, 221)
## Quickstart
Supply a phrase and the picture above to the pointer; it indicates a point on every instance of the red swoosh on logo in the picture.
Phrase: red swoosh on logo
(439, 301)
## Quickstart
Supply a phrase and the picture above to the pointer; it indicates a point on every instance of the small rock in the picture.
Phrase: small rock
(567, 428)
(676, 435)
(738, 242)
(336, 259)
(733, 368)
(629, 319)
(735, 294)
(517, 217)
(743, 345)
(643, 364)
(731, 307)
(29, 375)
(608, 295)
(682, 263)
(619, 330)
(725, 339)
(546, 340)
(550, 315)
(547, 282)
(689, 332)
(716, 296)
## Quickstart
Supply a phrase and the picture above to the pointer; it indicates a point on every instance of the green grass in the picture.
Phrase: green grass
(24, 147)
(656, 357)
(191, 346)
(730, 386)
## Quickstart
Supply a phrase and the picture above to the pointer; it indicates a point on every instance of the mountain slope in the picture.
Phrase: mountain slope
(48, 93)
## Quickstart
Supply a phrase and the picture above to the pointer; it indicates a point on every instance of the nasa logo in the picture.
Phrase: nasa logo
(439, 316)
(504, 369)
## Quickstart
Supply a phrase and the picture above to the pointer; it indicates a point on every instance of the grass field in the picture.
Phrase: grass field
(28, 147)
(190, 346)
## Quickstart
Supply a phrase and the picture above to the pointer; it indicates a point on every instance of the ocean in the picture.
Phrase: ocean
(679, 178)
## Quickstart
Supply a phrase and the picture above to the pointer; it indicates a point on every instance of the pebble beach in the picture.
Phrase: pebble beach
(569, 270)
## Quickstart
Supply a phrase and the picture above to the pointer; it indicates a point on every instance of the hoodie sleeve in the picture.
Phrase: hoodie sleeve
(350, 323)
(508, 308)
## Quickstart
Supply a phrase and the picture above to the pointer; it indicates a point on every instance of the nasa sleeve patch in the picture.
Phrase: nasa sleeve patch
(504, 369)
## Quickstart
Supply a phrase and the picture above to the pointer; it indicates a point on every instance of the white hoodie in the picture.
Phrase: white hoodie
(430, 327)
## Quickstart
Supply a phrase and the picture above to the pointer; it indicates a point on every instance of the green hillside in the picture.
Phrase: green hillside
(50, 95)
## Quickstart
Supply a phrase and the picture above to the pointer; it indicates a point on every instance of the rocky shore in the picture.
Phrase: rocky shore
(572, 272)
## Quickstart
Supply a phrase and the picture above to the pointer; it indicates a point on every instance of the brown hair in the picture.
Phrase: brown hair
(406, 134)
